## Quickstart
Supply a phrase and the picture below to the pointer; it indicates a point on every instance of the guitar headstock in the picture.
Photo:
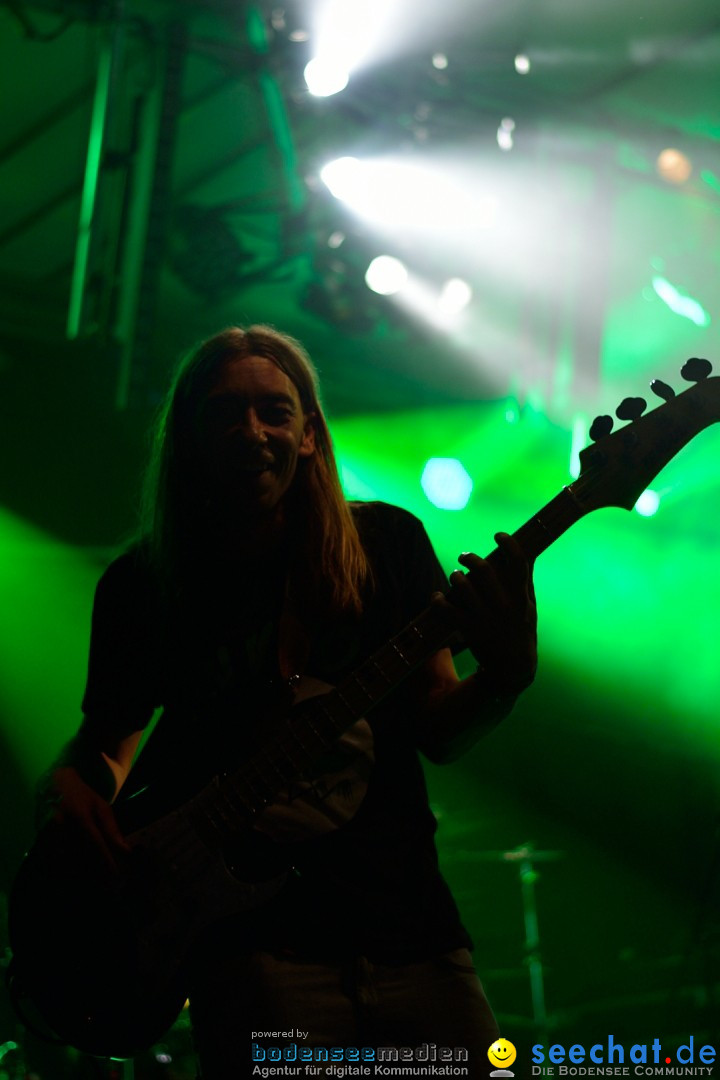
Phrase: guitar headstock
(619, 466)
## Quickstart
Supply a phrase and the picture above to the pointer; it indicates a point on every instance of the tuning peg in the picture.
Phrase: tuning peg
(662, 389)
(695, 369)
(601, 425)
(630, 408)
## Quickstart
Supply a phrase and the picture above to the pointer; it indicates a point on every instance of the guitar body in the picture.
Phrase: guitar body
(103, 961)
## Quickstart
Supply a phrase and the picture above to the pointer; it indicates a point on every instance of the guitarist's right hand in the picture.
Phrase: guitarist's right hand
(66, 800)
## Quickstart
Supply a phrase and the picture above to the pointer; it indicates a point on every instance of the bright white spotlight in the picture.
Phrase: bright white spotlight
(505, 133)
(456, 294)
(446, 483)
(386, 275)
(522, 64)
(352, 33)
(401, 195)
(324, 77)
(343, 178)
(648, 503)
(504, 139)
(440, 61)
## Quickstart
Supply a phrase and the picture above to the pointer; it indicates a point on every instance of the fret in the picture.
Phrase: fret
(223, 808)
(355, 698)
(358, 686)
(342, 695)
(282, 775)
(549, 523)
(285, 763)
(391, 660)
(258, 798)
(272, 764)
(254, 765)
(413, 642)
(207, 803)
(234, 798)
(296, 766)
(357, 678)
(328, 714)
(376, 664)
(372, 687)
(541, 523)
(314, 730)
(244, 804)
(291, 729)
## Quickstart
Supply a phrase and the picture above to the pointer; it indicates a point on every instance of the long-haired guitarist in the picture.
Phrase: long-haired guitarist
(253, 569)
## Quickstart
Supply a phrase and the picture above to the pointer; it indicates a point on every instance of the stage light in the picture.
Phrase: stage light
(398, 194)
(578, 442)
(446, 483)
(325, 78)
(680, 303)
(522, 64)
(648, 503)
(504, 139)
(456, 294)
(440, 61)
(343, 178)
(505, 133)
(386, 275)
(674, 166)
(349, 34)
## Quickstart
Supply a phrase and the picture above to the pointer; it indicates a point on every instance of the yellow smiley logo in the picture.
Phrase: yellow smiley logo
(502, 1053)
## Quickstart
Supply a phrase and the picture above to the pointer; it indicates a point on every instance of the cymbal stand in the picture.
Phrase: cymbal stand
(524, 855)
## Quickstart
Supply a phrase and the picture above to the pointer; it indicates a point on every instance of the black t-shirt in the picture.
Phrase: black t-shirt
(371, 887)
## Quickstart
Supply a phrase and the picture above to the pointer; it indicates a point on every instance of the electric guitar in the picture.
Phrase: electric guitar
(101, 964)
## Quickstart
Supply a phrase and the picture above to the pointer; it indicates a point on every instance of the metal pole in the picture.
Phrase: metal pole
(108, 66)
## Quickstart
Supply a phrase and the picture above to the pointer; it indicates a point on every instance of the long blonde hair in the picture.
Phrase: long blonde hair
(332, 558)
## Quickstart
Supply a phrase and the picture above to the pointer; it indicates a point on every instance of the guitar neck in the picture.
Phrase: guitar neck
(312, 729)
(555, 518)
(432, 629)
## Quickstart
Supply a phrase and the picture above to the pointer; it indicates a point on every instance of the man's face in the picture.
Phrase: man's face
(252, 432)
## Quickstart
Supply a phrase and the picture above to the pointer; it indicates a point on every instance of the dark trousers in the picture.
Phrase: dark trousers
(355, 1004)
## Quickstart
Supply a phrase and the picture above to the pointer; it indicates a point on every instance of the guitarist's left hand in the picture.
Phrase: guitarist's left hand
(493, 604)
